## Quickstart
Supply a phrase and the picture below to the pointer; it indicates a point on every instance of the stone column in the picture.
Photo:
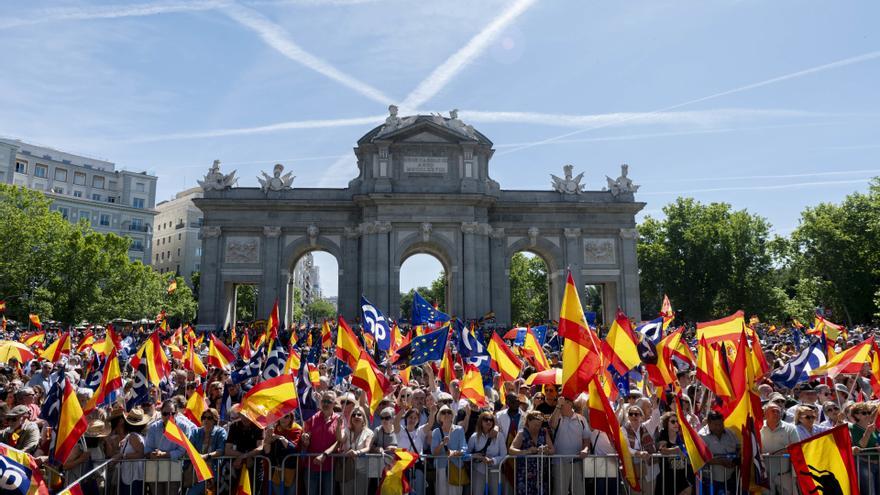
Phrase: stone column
(271, 286)
(629, 274)
(574, 261)
(210, 292)
(469, 270)
(349, 271)
(500, 280)
(383, 265)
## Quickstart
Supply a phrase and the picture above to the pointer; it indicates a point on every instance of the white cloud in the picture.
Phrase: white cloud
(276, 37)
(444, 73)
(264, 129)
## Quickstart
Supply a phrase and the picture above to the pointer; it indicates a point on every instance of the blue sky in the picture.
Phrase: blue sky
(770, 106)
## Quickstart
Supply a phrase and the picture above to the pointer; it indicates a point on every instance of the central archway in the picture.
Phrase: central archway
(426, 274)
(436, 249)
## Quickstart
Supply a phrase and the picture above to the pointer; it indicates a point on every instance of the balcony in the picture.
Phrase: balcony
(139, 228)
(179, 225)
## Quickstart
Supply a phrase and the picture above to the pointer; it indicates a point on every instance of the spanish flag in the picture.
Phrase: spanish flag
(86, 341)
(504, 361)
(472, 385)
(394, 479)
(348, 349)
(175, 435)
(533, 352)
(326, 335)
(697, 451)
(72, 423)
(831, 330)
(267, 402)
(57, 349)
(244, 481)
(273, 323)
(35, 320)
(245, 350)
(666, 308)
(848, 361)
(293, 362)
(710, 369)
(2, 306)
(219, 355)
(196, 405)
(602, 418)
(111, 381)
(371, 380)
(725, 329)
(152, 352)
(824, 463)
(620, 344)
(581, 359)
(662, 373)
(74, 489)
(35, 339)
(447, 368)
(193, 362)
(22, 470)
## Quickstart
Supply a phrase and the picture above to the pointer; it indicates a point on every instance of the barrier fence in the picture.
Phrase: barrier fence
(472, 475)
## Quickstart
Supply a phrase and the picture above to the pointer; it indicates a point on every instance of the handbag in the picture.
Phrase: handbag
(457, 476)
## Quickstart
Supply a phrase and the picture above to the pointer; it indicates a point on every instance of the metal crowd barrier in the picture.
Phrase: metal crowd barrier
(513, 475)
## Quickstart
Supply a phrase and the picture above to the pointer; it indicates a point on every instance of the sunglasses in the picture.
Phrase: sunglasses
(207, 418)
(446, 401)
(808, 417)
(357, 415)
(386, 418)
(633, 414)
(488, 420)
(326, 401)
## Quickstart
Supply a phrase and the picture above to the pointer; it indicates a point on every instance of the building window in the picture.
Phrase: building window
(84, 215)
(39, 186)
(61, 175)
(111, 199)
(77, 194)
(137, 224)
(199, 252)
(105, 220)
(21, 166)
(137, 245)
(178, 252)
(41, 171)
(79, 178)
(139, 187)
(137, 202)
(98, 182)
(65, 213)
(157, 258)
(96, 197)
(58, 190)
(179, 236)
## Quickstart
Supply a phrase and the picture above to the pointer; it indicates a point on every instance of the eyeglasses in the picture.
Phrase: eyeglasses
(633, 413)
(207, 418)
(808, 417)
(326, 401)
(446, 401)
(386, 418)
(832, 409)
(357, 415)
(488, 420)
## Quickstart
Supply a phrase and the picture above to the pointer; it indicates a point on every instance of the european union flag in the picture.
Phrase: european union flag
(424, 348)
(423, 312)
(540, 333)
(375, 323)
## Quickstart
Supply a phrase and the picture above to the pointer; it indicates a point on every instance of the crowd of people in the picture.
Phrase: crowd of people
(526, 439)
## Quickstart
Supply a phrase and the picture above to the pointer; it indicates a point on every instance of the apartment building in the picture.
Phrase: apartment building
(177, 238)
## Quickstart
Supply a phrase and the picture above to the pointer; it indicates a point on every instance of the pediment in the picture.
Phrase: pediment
(427, 137)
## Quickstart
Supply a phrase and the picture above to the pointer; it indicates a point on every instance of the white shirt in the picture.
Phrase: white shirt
(418, 439)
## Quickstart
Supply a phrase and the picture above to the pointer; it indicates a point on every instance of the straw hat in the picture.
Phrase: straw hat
(136, 417)
(97, 429)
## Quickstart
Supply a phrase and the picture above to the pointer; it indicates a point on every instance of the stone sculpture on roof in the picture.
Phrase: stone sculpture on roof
(215, 180)
(276, 182)
(623, 184)
(568, 185)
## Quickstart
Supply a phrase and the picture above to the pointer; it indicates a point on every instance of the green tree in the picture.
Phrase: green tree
(835, 253)
(320, 309)
(528, 289)
(246, 302)
(710, 260)
(436, 294)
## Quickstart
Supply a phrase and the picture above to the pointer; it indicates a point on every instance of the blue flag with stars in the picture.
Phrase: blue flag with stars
(423, 312)
(424, 348)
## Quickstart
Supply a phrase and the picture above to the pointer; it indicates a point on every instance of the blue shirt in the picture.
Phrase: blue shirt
(456, 442)
(156, 437)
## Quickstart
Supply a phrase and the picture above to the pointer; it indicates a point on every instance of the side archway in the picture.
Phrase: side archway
(552, 256)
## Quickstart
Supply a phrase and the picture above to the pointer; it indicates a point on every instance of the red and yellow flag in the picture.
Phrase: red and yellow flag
(602, 418)
(57, 349)
(662, 374)
(581, 359)
(36, 339)
(503, 360)
(697, 451)
(832, 330)
(193, 362)
(371, 380)
(111, 380)
(710, 371)
(152, 352)
(848, 361)
(196, 405)
(172, 286)
(244, 481)
(666, 308)
(245, 350)
(270, 400)
(447, 368)
(394, 476)
(273, 323)
(35, 320)
(72, 423)
(348, 349)
(293, 362)
(2, 306)
(725, 329)
(86, 341)
(175, 435)
(620, 344)
(218, 354)
(533, 352)
(326, 335)
(824, 463)
(471, 385)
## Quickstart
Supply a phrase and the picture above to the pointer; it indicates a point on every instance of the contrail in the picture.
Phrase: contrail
(699, 117)
(335, 170)
(783, 176)
(283, 126)
(110, 12)
(276, 37)
(821, 68)
(441, 76)
(795, 185)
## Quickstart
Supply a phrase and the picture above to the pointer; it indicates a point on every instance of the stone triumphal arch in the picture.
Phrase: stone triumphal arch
(424, 186)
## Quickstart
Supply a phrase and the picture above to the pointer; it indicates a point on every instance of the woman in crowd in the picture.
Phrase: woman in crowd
(350, 470)
(833, 415)
(864, 436)
(533, 439)
(279, 443)
(448, 445)
(805, 419)
(641, 445)
(131, 472)
(209, 440)
(676, 475)
(413, 437)
(384, 440)
(487, 451)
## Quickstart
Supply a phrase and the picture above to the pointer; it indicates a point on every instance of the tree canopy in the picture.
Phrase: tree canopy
(528, 289)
